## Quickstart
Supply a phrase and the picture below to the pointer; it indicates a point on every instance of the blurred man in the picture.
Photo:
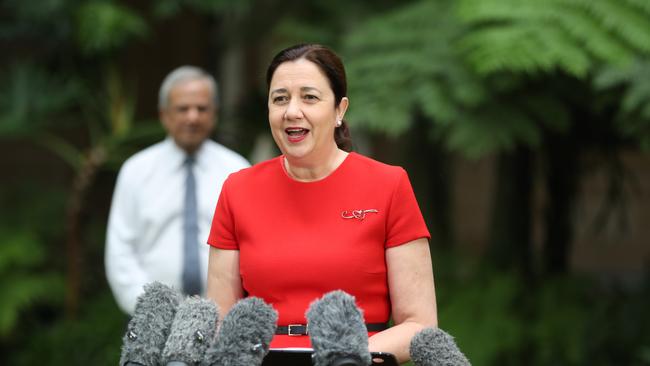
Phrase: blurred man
(165, 195)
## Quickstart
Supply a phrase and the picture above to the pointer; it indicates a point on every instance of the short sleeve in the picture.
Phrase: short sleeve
(222, 232)
(404, 222)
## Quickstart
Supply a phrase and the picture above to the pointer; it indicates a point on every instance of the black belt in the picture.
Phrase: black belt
(301, 329)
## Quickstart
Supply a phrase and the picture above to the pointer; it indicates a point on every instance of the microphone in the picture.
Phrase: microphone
(244, 335)
(337, 331)
(193, 331)
(147, 331)
(435, 347)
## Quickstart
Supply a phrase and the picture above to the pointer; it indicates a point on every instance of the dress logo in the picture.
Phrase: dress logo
(357, 214)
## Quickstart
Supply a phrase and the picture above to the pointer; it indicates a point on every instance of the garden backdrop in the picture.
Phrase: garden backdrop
(524, 126)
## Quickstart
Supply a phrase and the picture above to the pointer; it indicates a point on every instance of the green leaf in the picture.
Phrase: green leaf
(20, 283)
(621, 17)
(483, 317)
(393, 73)
(19, 249)
(31, 99)
(22, 291)
(103, 26)
(571, 35)
(633, 119)
(492, 128)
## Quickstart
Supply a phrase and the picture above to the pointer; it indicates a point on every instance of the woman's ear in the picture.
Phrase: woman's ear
(342, 108)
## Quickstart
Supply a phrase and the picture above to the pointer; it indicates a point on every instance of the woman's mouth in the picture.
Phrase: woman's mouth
(296, 134)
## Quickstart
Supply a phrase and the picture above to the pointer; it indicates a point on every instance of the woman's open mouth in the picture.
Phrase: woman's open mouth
(296, 134)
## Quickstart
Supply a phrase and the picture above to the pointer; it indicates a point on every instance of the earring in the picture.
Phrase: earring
(339, 123)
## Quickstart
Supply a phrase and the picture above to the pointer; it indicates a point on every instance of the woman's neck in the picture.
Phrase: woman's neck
(304, 171)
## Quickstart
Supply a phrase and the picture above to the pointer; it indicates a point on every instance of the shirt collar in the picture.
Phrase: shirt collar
(177, 155)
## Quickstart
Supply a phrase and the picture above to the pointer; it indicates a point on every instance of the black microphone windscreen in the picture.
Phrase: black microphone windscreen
(192, 332)
(434, 347)
(149, 328)
(244, 335)
(337, 331)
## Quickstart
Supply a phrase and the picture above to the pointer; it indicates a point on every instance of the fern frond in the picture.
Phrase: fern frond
(523, 48)
(571, 35)
(495, 12)
(636, 79)
(442, 58)
(590, 34)
(406, 60)
(642, 5)
(634, 117)
(630, 22)
(493, 127)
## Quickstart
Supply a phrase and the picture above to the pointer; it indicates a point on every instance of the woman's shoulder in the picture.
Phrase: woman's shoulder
(369, 165)
(256, 173)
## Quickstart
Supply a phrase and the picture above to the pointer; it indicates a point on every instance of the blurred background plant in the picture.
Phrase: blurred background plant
(544, 95)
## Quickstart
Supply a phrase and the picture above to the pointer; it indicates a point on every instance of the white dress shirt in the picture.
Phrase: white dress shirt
(145, 227)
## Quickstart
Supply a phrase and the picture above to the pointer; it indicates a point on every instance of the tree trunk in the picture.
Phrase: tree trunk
(82, 182)
(510, 236)
(435, 168)
(561, 185)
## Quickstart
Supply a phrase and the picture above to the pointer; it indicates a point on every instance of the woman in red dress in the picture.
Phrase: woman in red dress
(320, 218)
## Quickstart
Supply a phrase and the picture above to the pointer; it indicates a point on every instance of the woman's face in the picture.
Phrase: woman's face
(302, 111)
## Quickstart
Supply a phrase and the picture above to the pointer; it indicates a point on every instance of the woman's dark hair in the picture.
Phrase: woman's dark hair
(330, 64)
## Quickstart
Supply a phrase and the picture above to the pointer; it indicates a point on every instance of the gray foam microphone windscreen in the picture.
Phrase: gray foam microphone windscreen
(435, 347)
(193, 331)
(337, 331)
(244, 335)
(150, 325)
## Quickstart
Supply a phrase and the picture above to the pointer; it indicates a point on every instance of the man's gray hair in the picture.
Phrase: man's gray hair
(183, 74)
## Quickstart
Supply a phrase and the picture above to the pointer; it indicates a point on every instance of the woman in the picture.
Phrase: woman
(320, 218)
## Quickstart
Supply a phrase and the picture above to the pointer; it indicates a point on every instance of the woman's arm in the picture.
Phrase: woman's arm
(413, 298)
(224, 281)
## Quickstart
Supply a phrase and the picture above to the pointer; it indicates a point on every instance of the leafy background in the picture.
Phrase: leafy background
(550, 92)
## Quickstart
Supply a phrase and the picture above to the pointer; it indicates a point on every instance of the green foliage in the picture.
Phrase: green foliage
(94, 339)
(32, 98)
(29, 202)
(560, 321)
(21, 283)
(36, 11)
(483, 72)
(500, 318)
(103, 26)
(168, 8)
(393, 72)
(292, 31)
(634, 114)
(482, 315)
(30, 18)
(542, 36)
(421, 67)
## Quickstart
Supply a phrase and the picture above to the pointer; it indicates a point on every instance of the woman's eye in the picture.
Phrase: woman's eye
(280, 99)
(311, 97)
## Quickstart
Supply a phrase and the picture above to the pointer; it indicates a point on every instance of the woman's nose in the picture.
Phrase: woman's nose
(293, 110)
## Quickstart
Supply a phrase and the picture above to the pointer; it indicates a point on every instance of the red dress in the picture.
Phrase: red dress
(298, 241)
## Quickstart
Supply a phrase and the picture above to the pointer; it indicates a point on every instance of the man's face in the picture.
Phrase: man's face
(189, 117)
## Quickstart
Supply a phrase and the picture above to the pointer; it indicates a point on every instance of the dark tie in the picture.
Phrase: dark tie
(191, 266)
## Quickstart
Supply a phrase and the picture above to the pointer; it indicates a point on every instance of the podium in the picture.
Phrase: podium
(302, 357)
